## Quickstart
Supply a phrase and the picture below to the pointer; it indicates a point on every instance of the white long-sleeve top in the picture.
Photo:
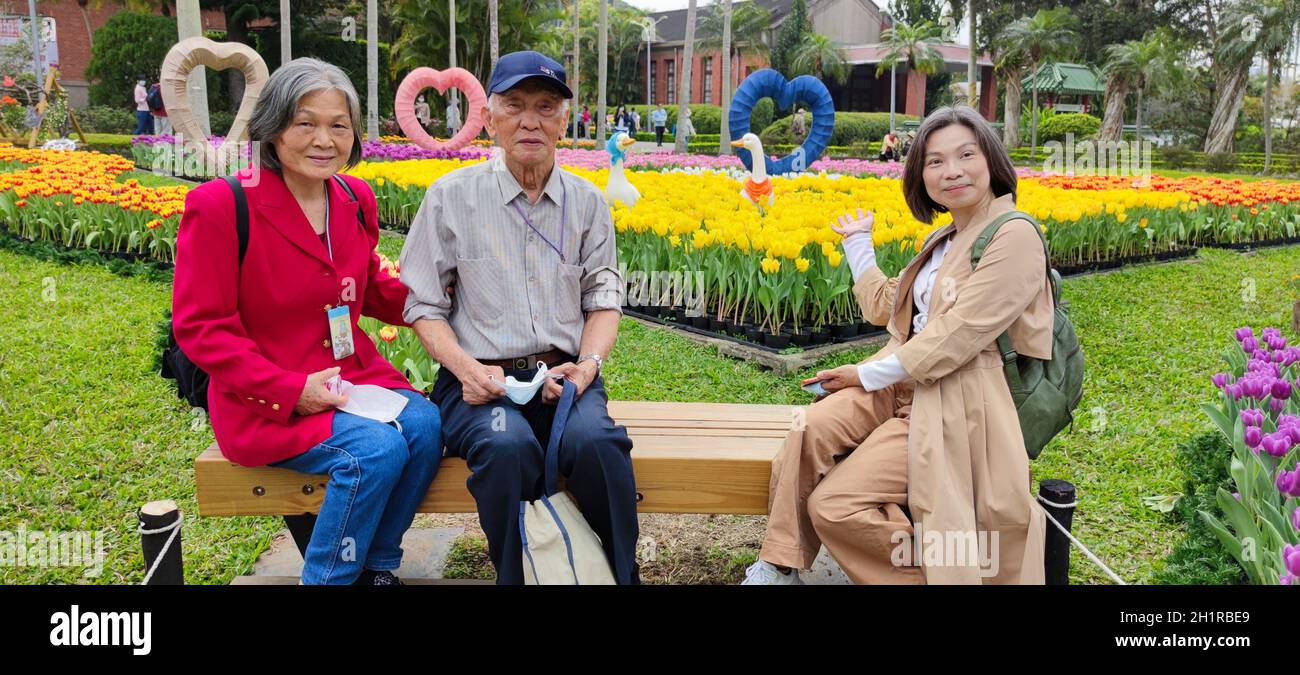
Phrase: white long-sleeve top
(861, 254)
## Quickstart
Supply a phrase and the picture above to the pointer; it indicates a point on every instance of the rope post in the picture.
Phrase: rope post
(1056, 545)
(160, 530)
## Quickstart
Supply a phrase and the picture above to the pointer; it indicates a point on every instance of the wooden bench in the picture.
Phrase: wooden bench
(688, 458)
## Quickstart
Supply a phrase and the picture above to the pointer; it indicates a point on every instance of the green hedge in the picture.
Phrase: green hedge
(706, 118)
(106, 119)
(850, 127)
(1082, 125)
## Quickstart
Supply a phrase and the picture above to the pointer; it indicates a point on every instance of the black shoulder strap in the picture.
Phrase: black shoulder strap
(241, 214)
(361, 217)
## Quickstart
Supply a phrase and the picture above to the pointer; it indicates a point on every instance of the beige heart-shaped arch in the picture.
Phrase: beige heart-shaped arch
(192, 52)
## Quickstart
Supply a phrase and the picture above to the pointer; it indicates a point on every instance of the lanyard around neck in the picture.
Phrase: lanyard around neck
(564, 217)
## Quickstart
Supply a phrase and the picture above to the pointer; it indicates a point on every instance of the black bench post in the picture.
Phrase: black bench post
(160, 524)
(1056, 546)
(300, 528)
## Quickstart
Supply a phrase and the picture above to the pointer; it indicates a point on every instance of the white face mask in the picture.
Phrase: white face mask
(368, 400)
(523, 392)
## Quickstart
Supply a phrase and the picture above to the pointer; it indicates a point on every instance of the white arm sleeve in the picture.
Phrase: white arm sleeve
(861, 253)
(882, 373)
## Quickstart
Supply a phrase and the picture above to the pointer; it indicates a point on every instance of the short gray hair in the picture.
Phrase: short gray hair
(279, 103)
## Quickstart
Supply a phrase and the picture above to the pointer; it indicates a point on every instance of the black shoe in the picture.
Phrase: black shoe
(381, 578)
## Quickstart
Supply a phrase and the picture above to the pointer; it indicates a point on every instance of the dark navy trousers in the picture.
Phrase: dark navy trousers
(504, 445)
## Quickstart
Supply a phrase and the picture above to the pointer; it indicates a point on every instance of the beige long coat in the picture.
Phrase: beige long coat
(967, 466)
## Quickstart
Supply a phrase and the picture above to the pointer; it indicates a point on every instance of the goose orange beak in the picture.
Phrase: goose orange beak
(738, 144)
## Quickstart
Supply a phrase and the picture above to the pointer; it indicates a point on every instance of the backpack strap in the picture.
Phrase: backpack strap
(977, 251)
(361, 217)
(241, 214)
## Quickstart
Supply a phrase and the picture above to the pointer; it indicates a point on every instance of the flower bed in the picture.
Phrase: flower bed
(1258, 412)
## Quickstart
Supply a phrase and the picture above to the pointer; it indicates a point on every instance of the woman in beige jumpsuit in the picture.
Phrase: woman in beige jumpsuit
(913, 469)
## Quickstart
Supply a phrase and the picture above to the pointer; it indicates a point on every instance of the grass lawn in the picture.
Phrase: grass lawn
(89, 432)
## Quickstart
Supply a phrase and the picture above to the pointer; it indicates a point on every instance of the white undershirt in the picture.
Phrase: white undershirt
(862, 255)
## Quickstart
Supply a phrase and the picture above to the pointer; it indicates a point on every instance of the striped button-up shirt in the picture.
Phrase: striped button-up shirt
(514, 295)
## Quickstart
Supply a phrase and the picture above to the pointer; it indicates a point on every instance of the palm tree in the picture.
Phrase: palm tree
(819, 56)
(492, 17)
(603, 72)
(1234, 50)
(1046, 36)
(913, 45)
(748, 23)
(724, 138)
(1139, 66)
(1281, 22)
(683, 101)
(1009, 65)
(577, 57)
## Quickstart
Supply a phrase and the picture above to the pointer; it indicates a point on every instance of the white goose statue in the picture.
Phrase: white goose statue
(758, 187)
(618, 189)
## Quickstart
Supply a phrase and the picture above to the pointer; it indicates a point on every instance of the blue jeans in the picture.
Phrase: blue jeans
(143, 123)
(378, 477)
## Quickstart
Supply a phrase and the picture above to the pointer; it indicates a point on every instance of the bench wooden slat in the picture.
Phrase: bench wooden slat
(716, 458)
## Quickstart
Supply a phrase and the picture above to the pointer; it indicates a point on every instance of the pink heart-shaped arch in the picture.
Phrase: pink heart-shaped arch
(441, 80)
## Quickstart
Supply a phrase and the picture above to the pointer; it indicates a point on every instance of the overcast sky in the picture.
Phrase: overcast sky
(664, 5)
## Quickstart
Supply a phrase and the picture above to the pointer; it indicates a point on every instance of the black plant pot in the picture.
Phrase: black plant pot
(865, 328)
(801, 339)
(844, 330)
(715, 325)
(821, 336)
(776, 341)
(728, 326)
(754, 334)
(700, 322)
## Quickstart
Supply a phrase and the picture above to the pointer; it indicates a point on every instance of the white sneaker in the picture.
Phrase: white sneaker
(764, 573)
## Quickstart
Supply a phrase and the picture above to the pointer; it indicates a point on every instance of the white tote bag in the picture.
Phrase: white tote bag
(559, 546)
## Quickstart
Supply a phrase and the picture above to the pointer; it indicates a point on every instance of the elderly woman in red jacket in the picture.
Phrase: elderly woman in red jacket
(294, 381)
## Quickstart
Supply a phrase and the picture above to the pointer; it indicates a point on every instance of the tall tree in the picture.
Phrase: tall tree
(602, 72)
(1281, 21)
(915, 46)
(724, 138)
(683, 101)
(1138, 66)
(788, 38)
(1009, 65)
(1046, 37)
(819, 56)
(493, 17)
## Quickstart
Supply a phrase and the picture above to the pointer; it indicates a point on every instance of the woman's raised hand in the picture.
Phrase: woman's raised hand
(849, 226)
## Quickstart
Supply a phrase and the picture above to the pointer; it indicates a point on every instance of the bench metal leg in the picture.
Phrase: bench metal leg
(300, 527)
(1056, 547)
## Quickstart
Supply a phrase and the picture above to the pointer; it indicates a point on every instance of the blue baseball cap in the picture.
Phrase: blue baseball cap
(516, 67)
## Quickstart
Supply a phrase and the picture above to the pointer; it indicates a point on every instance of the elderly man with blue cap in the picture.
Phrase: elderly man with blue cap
(529, 248)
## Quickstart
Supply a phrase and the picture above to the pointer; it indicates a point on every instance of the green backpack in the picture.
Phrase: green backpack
(1045, 392)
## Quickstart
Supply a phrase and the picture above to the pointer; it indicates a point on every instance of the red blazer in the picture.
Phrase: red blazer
(258, 329)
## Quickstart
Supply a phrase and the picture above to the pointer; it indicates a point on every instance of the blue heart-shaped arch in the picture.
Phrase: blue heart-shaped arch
(768, 83)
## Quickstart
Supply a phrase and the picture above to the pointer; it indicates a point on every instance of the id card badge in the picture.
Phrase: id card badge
(340, 331)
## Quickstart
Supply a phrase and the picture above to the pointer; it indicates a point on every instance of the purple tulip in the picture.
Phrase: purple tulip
(1243, 333)
(1234, 390)
(1276, 405)
(1249, 345)
(1252, 417)
(1295, 519)
(1275, 444)
(1287, 483)
(1219, 379)
(1285, 579)
(1261, 355)
(1291, 554)
(1236, 496)
(1253, 437)
(1281, 390)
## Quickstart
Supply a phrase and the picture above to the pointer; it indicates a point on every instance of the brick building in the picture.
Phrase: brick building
(74, 26)
(855, 25)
